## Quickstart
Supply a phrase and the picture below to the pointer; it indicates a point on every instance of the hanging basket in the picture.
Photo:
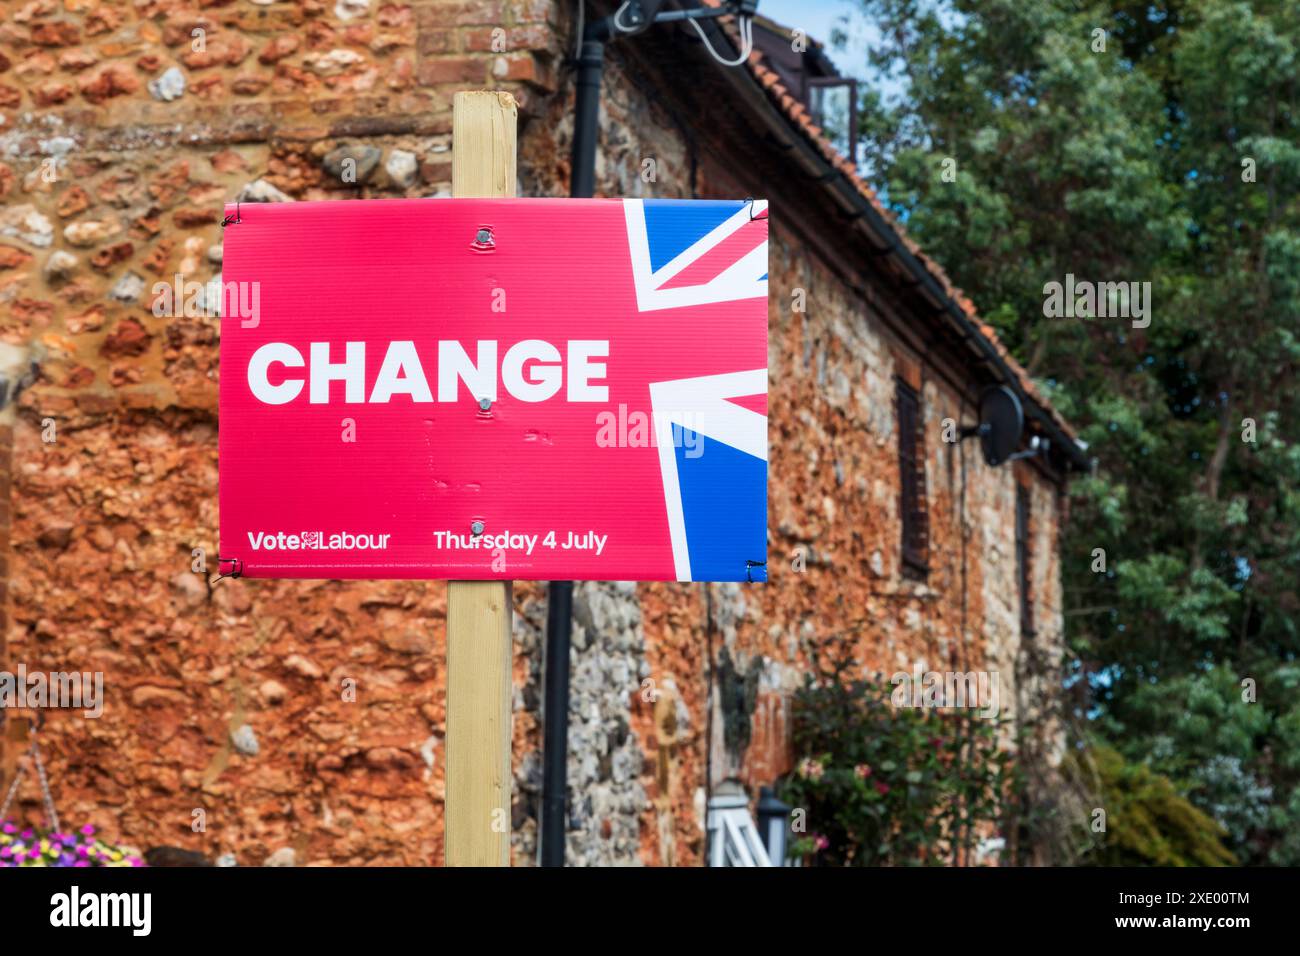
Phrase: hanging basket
(51, 845)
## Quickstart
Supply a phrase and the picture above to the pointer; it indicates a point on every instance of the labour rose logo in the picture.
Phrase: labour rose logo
(311, 539)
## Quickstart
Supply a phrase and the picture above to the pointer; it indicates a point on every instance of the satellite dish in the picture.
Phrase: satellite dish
(1002, 421)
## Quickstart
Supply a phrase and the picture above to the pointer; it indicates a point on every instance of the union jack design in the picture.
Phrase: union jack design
(695, 253)
(687, 254)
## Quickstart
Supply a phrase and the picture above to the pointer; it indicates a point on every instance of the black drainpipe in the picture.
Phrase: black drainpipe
(591, 64)
(559, 600)
(555, 722)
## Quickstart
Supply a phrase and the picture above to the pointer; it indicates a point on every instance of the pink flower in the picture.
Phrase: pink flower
(821, 842)
(863, 771)
(882, 788)
(811, 769)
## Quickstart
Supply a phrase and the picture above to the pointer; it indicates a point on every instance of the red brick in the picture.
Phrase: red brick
(523, 68)
(249, 85)
(180, 30)
(430, 42)
(158, 258)
(51, 94)
(532, 11)
(193, 218)
(209, 88)
(56, 33)
(79, 377)
(516, 39)
(458, 69)
(38, 63)
(112, 81)
(278, 48)
(436, 172)
(73, 200)
(103, 19)
(74, 61)
(11, 257)
(439, 14)
(394, 15)
(228, 161)
(109, 256)
(129, 338)
(31, 311)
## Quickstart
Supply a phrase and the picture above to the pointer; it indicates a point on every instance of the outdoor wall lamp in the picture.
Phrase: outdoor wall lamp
(773, 825)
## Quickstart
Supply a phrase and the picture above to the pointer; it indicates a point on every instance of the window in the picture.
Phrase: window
(808, 73)
(833, 103)
(911, 483)
(1023, 560)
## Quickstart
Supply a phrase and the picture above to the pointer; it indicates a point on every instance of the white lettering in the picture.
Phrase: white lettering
(352, 371)
(479, 379)
(401, 374)
(260, 364)
(545, 378)
(581, 370)
(531, 370)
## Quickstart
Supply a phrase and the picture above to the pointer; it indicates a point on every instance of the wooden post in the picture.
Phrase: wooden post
(476, 822)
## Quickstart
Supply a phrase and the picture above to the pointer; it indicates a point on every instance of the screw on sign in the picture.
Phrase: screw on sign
(493, 422)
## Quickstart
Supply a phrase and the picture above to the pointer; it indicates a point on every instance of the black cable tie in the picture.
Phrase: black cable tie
(235, 221)
(749, 569)
(752, 218)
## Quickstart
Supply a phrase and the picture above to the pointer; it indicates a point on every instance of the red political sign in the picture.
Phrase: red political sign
(495, 389)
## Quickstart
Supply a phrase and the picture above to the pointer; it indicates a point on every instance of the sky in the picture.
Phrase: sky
(818, 18)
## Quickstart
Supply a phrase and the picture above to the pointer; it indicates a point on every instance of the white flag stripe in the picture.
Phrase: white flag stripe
(673, 502)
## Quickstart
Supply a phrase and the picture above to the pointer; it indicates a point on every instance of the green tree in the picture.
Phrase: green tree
(1147, 821)
(1154, 143)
